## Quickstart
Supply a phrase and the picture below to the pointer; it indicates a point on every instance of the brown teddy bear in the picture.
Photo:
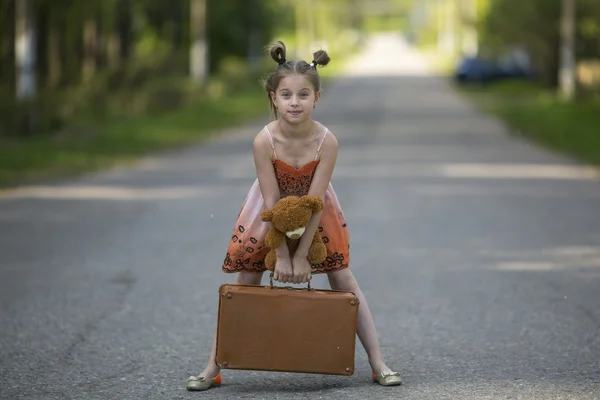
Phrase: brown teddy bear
(289, 217)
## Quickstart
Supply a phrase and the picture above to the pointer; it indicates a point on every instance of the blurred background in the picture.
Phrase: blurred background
(479, 251)
(87, 84)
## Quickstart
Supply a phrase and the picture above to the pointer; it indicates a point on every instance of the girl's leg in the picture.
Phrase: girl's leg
(344, 280)
(212, 369)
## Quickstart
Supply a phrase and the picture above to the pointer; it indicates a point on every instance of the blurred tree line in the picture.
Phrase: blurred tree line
(101, 57)
(490, 27)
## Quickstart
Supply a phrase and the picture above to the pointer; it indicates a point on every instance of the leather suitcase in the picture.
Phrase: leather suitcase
(285, 329)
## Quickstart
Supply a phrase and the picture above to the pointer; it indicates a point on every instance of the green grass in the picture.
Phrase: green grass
(537, 113)
(89, 142)
(118, 140)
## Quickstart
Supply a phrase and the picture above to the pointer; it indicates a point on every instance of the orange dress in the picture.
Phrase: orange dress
(246, 251)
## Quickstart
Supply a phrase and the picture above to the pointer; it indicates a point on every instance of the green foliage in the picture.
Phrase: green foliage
(503, 24)
(238, 27)
(550, 123)
(391, 15)
(113, 75)
(536, 112)
(536, 27)
(115, 141)
(535, 24)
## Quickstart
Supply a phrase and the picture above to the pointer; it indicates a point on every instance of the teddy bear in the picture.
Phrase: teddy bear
(289, 217)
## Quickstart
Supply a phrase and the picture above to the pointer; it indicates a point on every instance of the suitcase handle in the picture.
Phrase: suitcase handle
(271, 281)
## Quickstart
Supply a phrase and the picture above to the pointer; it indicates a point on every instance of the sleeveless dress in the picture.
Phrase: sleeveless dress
(246, 250)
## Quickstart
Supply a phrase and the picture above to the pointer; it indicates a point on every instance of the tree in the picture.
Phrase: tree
(567, 50)
(25, 58)
(25, 54)
(198, 53)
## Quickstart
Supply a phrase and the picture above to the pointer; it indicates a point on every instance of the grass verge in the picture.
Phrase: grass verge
(538, 114)
(91, 144)
(535, 112)
(117, 140)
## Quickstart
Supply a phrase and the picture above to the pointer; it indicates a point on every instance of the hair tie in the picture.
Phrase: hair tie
(281, 61)
(313, 63)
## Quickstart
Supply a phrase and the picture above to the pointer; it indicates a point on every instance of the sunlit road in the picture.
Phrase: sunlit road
(479, 255)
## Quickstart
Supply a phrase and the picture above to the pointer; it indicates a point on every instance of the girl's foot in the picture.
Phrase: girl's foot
(198, 383)
(379, 367)
(387, 379)
(383, 375)
(210, 377)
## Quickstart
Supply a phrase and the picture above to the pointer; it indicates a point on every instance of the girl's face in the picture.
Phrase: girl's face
(295, 99)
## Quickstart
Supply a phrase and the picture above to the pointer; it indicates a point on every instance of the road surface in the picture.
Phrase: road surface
(478, 252)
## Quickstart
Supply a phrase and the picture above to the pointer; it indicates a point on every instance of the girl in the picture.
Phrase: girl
(295, 155)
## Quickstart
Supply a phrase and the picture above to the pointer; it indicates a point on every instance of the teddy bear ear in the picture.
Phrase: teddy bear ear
(266, 215)
(314, 202)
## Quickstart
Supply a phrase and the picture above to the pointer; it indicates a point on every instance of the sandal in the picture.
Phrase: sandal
(198, 383)
(389, 379)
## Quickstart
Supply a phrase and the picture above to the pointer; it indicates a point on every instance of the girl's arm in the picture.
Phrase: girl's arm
(318, 187)
(270, 191)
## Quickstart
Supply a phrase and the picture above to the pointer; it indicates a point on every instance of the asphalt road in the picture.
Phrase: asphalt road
(478, 252)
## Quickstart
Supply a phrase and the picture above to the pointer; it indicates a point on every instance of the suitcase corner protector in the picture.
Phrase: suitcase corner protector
(223, 286)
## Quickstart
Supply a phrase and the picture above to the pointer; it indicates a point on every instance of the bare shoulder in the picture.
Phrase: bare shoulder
(330, 143)
(261, 145)
(261, 137)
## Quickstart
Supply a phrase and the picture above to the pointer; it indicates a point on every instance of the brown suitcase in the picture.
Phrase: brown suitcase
(285, 329)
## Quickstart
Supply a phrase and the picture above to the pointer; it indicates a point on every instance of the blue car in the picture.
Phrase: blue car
(480, 70)
(473, 69)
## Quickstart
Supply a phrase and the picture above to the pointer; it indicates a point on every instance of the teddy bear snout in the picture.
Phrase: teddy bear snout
(295, 234)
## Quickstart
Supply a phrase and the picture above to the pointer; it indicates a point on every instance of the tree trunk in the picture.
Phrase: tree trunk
(254, 39)
(198, 56)
(7, 51)
(25, 60)
(25, 57)
(90, 45)
(113, 51)
(177, 23)
(54, 59)
(124, 28)
(567, 50)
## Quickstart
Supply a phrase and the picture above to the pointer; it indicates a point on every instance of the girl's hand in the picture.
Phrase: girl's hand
(283, 270)
(302, 269)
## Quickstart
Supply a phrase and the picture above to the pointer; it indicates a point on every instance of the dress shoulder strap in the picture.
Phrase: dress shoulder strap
(270, 137)
(321, 143)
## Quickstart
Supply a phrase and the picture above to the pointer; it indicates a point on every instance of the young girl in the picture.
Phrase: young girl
(295, 155)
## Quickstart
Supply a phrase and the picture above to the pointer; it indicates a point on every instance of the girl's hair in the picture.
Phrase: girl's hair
(292, 67)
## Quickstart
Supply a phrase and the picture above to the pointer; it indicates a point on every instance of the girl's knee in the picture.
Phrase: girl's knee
(249, 278)
(342, 280)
